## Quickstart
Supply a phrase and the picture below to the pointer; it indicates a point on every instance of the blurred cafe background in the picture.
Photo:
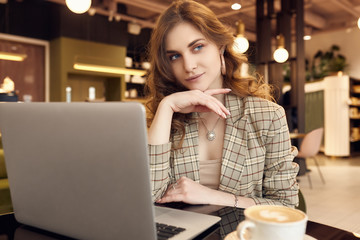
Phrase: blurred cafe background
(56, 51)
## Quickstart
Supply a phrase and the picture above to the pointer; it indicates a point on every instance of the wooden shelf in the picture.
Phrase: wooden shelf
(141, 100)
(354, 120)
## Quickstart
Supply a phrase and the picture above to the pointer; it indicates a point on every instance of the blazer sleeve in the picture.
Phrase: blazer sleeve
(279, 182)
(160, 173)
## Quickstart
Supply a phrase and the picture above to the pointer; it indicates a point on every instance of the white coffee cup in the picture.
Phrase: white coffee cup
(272, 223)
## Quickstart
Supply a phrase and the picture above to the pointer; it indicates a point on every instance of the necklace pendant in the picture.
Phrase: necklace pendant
(211, 135)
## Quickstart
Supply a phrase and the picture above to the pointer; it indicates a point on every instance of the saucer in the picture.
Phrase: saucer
(233, 236)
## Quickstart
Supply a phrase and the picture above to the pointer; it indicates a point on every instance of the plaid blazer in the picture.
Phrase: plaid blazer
(257, 158)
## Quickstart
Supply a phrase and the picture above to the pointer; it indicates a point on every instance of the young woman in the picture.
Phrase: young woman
(214, 137)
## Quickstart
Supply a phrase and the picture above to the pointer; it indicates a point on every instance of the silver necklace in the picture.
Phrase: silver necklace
(210, 135)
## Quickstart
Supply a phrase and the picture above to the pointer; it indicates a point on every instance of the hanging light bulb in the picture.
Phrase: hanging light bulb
(359, 23)
(280, 54)
(307, 33)
(241, 44)
(78, 6)
(236, 5)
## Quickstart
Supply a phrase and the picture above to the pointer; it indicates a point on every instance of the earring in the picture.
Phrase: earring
(223, 66)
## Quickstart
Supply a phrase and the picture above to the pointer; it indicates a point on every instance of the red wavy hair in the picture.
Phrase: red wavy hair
(161, 81)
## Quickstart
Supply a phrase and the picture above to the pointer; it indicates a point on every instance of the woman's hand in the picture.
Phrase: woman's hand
(198, 101)
(183, 102)
(188, 191)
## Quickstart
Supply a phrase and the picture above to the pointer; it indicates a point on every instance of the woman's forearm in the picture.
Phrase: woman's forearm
(188, 191)
(159, 131)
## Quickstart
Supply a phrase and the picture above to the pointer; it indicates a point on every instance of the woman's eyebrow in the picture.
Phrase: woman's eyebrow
(189, 45)
(170, 51)
(195, 41)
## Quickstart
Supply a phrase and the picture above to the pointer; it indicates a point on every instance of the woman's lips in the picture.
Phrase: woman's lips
(194, 78)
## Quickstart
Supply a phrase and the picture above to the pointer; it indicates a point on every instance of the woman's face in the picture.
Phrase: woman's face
(195, 61)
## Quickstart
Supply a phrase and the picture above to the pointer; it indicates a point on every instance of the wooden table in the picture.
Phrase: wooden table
(11, 229)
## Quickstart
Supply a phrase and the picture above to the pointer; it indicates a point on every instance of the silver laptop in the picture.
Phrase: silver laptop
(81, 170)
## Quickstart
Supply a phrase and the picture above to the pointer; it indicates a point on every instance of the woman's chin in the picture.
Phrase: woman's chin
(197, 88)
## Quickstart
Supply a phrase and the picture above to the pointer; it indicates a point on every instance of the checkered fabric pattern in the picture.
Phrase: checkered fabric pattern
(230, 219)
(257, 158)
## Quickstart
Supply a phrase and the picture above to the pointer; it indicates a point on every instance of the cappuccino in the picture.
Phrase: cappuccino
(272, 223)
(276, 214)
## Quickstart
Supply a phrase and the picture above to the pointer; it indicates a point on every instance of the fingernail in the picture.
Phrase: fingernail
(228, 89)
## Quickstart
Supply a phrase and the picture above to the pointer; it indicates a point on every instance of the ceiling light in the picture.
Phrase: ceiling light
(12, 56)
(134, 28)
(241, 44)
(280, 54)
(117, 17)
(307, 33)
(236, 5)
(108, 69)
(359, 23)
(111, 17)
(92, 11)
(78, 6)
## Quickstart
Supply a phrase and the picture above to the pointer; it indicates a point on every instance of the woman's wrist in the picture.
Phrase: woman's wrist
(229, 199)
(165, 105)
(219, 197)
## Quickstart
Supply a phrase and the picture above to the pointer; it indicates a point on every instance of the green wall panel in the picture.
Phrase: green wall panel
(65, 51)
(314, 110)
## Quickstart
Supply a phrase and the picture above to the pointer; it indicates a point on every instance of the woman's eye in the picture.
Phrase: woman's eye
(198, 47)
(174, 57)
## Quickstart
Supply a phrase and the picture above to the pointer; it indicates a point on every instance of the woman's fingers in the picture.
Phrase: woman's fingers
(217, 91)
(214, 104)
(198, 101)
(186, 190)
(173, 194)
(212, 92)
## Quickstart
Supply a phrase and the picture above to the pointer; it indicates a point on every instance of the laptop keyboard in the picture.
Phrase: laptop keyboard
(167, 231)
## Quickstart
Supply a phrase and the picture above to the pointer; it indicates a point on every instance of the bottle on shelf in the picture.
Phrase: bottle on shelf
(68, 94)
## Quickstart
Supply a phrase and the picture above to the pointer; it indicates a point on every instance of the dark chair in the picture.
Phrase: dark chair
(5, 200)
(302, 203)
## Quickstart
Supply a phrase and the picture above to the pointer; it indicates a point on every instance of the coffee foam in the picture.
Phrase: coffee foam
(276, 214)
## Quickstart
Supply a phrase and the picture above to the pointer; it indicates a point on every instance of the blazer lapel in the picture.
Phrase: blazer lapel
(186, 159)
(235, 145)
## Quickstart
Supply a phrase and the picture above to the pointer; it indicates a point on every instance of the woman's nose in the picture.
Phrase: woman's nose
(190, 63)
